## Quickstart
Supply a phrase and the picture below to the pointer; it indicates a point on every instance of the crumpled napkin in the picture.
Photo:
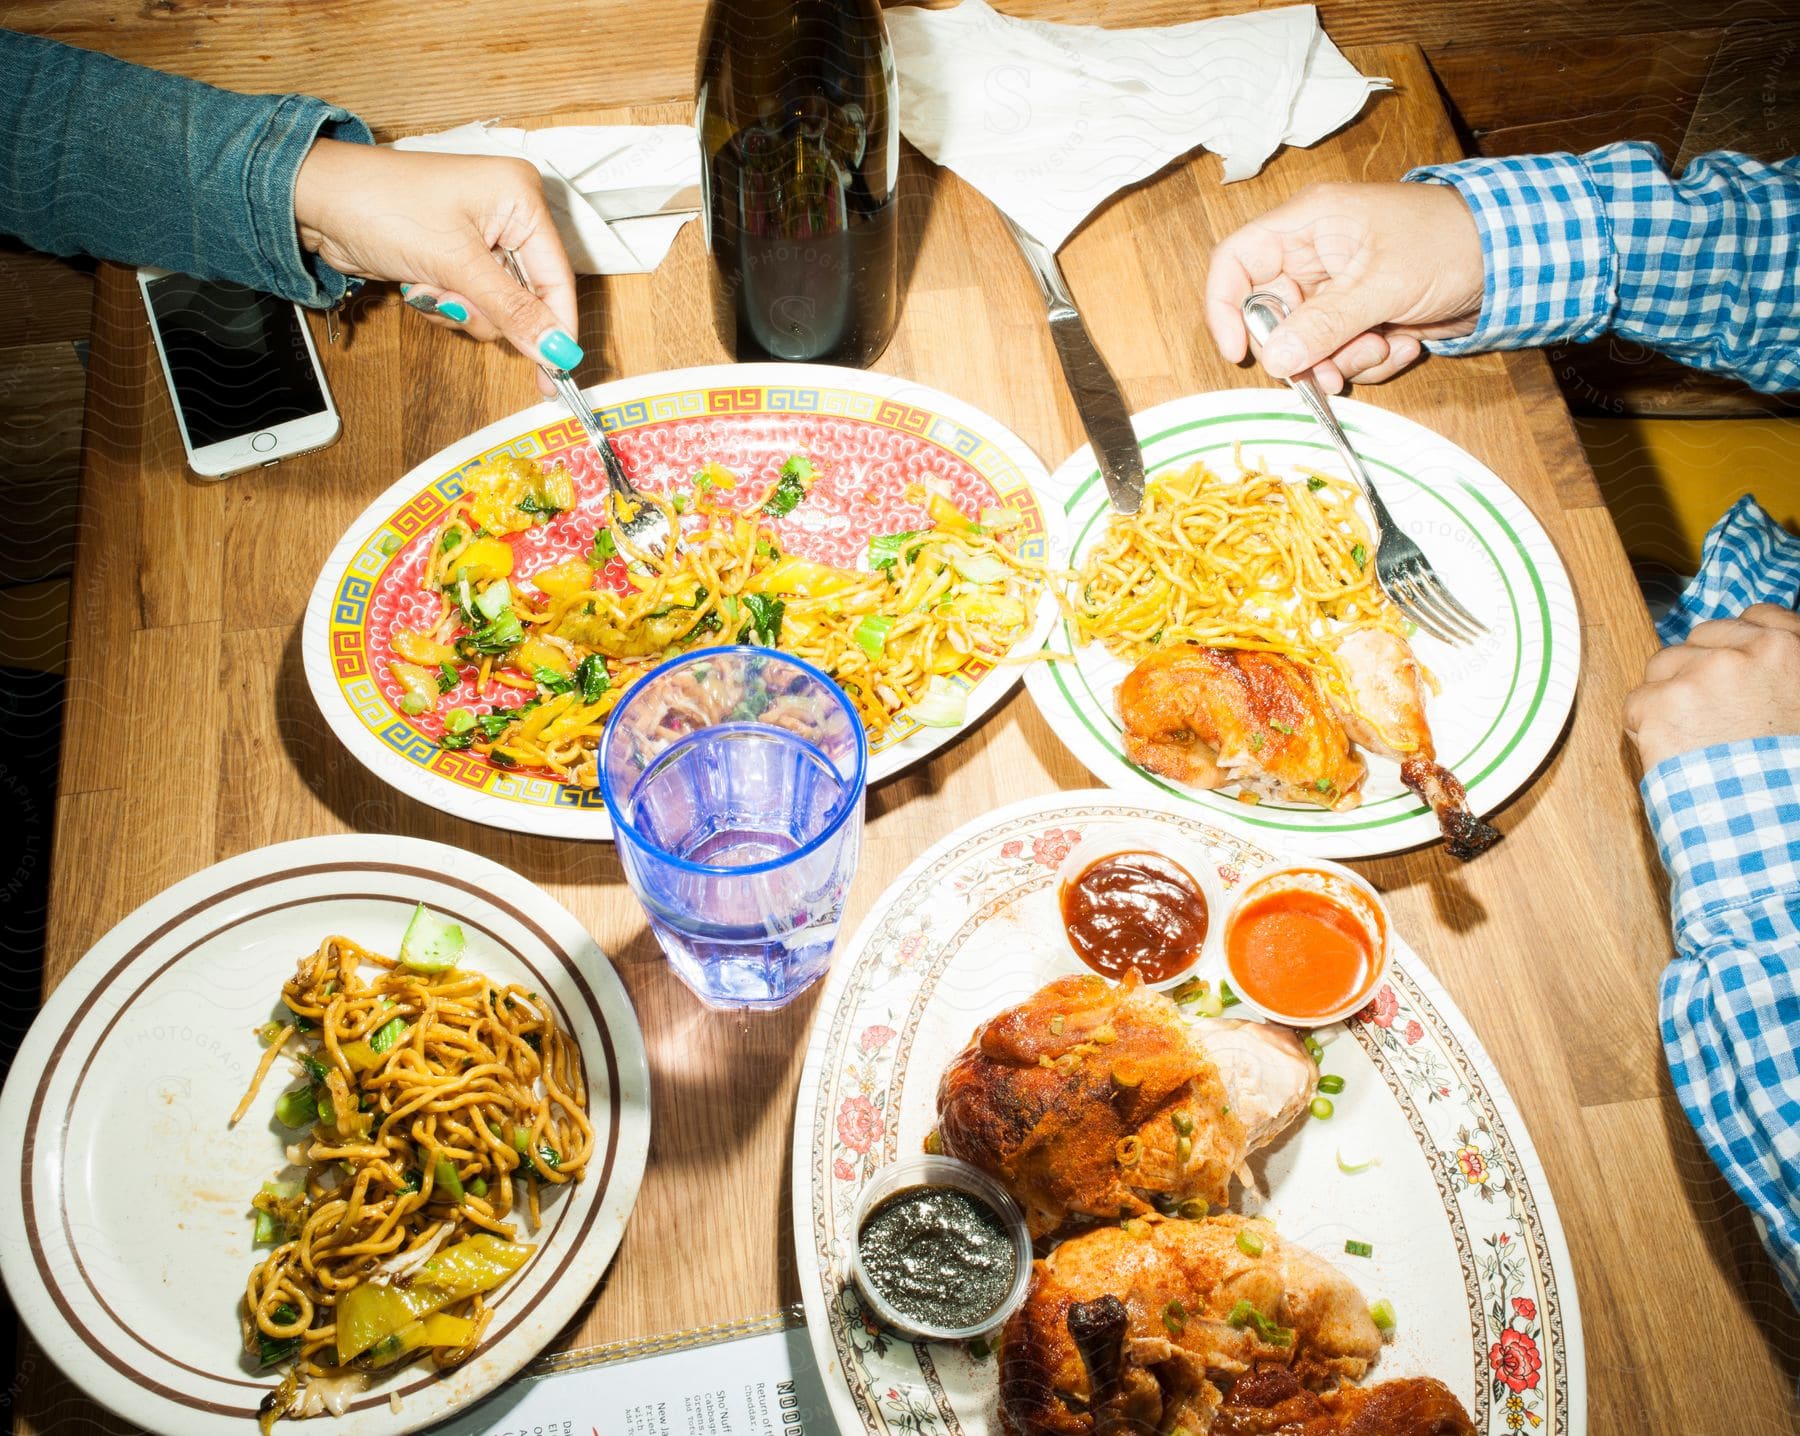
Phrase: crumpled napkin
(1049, 120)
(619, 193)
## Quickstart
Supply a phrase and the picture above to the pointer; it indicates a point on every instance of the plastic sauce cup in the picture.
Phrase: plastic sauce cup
(961, 1176)
(1157, 842)
(1327, 901)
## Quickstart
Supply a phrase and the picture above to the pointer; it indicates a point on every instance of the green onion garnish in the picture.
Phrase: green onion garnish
(1313, 1050)
(1244, 1314)
(1249, 1243)
(1174, 1317)
(1184, 1124)
(1228, 998)
(1361, 1249)
(1331, 1083)
(1321, 1108)
(1194, 1208)
(1382, 1314)
(1350, 1169)
(1184, 1149)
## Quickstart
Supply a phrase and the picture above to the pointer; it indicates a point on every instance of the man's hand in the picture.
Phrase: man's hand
(1734, 678)
(436, 220)
(1369, 271)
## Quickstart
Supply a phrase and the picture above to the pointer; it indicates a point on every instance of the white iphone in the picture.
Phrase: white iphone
(242, 370)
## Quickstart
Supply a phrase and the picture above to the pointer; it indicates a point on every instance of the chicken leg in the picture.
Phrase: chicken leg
(1386, 713)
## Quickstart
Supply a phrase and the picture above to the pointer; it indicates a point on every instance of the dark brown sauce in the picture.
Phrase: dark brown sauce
(939, 1255)
(1135, 910)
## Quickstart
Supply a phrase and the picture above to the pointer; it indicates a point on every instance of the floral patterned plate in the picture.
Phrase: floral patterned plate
(870, 435)
(1466, 1241)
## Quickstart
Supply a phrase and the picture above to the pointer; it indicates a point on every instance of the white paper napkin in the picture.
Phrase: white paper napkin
(1049, 120)
(607, 184)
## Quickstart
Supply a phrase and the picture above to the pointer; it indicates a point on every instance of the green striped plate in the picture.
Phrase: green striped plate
(1504, 699)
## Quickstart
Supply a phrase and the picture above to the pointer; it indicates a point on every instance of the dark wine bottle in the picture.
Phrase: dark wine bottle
(796, 110)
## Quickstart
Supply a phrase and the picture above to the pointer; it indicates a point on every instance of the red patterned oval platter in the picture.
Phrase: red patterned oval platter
(874, 441)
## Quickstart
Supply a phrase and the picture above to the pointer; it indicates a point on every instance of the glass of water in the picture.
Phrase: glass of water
(735, 780)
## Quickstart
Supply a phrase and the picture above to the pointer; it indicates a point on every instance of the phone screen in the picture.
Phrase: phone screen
(239, 358)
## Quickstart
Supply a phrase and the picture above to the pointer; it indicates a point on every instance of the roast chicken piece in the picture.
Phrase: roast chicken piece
(1092, 1100)
(1178, 1283)
(1267, 1074)
(1386, 714)
(1212, 716)
(1272, 1402)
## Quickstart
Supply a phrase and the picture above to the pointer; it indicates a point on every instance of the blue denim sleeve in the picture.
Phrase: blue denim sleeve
(104, 158)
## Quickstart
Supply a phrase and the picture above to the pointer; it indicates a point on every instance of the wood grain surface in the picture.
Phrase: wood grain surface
(191, 735)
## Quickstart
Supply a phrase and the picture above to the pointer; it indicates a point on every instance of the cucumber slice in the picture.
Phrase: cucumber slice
(432, 943)
(495, 599)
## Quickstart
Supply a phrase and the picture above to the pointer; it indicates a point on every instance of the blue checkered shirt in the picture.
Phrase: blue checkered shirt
(1727, 821)
(1705, 268)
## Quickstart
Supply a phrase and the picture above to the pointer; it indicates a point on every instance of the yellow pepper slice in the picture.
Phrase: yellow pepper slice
(368, 1313)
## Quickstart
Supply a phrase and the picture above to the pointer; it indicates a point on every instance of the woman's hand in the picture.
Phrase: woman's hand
(1734, 678)
(1369, 270)
(435, 222)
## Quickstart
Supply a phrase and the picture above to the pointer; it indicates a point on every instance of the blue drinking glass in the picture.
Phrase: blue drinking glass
(735, 780)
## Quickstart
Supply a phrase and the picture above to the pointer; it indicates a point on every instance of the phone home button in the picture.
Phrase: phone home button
(262, 443)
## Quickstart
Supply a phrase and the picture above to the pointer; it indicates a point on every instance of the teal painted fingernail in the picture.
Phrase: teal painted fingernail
(559, 349)
(453, 310)
(424, 303)
(405, 289)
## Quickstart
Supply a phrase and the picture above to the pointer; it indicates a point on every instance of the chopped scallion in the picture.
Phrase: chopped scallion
(1321, 1108)
(1361, 1249)
(1249, 1243)
(1174, 1317)
(1331, 1083)
(1382, 1314)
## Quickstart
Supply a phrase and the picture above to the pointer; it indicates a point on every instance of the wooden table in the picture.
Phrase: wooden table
(191, 737)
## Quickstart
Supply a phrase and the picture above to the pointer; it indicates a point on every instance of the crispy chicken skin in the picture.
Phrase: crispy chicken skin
(1176, 1361)
(1386, 714)
(1272, 1402)
(1212, 716)
(1092, 1100)
(1071, 1100)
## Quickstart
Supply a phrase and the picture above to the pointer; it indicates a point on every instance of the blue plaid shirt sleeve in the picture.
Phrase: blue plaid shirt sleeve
(1704, 268)
(1727, 821)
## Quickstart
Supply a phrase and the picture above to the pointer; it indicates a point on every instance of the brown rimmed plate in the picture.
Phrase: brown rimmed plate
(125, 1238)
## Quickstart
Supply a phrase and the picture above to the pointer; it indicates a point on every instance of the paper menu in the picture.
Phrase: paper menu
(748, 1378)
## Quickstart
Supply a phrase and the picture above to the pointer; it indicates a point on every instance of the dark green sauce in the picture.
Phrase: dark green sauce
(938, 1255)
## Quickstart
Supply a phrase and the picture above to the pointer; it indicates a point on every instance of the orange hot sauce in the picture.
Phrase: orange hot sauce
(1299, 953)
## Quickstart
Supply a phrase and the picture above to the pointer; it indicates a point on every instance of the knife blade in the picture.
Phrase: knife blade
(1091, 383)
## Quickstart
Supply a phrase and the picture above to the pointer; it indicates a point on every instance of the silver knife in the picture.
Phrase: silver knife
(1096, 392)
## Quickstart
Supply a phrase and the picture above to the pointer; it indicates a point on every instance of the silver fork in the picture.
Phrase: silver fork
(1401, 568)
(647, 526)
